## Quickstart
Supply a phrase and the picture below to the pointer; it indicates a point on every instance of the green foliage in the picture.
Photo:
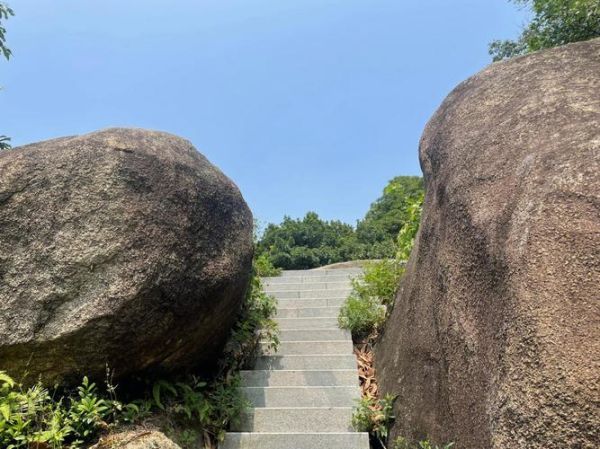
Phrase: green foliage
(195, 403)
(406, 236)
(4, 143)
(361, 316)
(554, 23)
(312, 242)
(5, 13)
(379, 280)
(30, 416)
(402, 443)
(373, 292)
(264, 267)
(374, 416)
(388, 215)
(255, 324)
(306, 243)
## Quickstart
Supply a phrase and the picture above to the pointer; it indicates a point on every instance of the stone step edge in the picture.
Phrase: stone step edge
(306, 318)
(308, 299)
(310, 341)
(310, 307)
(312, 291)
(298, 370)
(302, 387)
(299, 433)
(311, 329)
(312, 282)
(251, 409)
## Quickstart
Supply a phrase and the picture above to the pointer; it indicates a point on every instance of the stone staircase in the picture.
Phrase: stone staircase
(302, 397)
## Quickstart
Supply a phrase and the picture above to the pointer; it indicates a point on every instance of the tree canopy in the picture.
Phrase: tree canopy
(554, 23)
(312, 242)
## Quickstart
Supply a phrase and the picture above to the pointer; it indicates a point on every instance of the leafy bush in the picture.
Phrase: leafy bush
(361, 315)
(374, 416)
(255, 324)
(379, 280)
(196, 404)
(264, 267)
(33, 417)
(373, 291)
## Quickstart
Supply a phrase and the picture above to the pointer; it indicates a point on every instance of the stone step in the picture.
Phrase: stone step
(311, 273)
(311, 294)
(301, 334)
(301, 396)
(298, 279)
(308, 312)
(277, 419)
(315, 302)
(342, 347)
(306, 286)
(307, 323)
(300, 378)
(306, 362)
(248, 440)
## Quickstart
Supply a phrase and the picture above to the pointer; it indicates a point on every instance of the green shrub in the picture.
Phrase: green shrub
(374, 416)
(255, 324)
(194, 403)
(264, 267)
(361, 315)
(365, 310)
(374, 291)
(379, 280)
(32, 416)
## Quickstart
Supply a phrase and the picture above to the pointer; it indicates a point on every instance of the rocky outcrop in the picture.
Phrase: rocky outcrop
(494, 341)
(123, 247)
(136, 439)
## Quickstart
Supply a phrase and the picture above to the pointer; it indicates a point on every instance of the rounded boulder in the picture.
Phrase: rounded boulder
(123, 248)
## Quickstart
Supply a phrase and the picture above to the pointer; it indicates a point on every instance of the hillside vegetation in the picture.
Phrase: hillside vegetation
(312, 242)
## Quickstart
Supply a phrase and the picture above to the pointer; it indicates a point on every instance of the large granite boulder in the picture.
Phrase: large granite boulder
(494, 341)
(123, 247)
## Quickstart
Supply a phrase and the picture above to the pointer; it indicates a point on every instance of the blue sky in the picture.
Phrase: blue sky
(305, 104)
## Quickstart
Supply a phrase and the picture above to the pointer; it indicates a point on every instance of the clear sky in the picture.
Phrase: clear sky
(305, 104)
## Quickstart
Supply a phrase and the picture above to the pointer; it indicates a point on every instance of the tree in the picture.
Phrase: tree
(5, 13)
(554, 23)
(311, 242)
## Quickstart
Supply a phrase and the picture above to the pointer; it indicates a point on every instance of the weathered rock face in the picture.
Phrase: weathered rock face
(121, 247)
(494, 341)
(136, 439)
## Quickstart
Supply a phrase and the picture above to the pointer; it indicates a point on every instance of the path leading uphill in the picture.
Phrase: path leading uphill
(303, 396)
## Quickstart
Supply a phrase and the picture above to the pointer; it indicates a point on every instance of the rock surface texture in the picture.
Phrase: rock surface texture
(136, 439)
(121, 247)
(494, 341)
